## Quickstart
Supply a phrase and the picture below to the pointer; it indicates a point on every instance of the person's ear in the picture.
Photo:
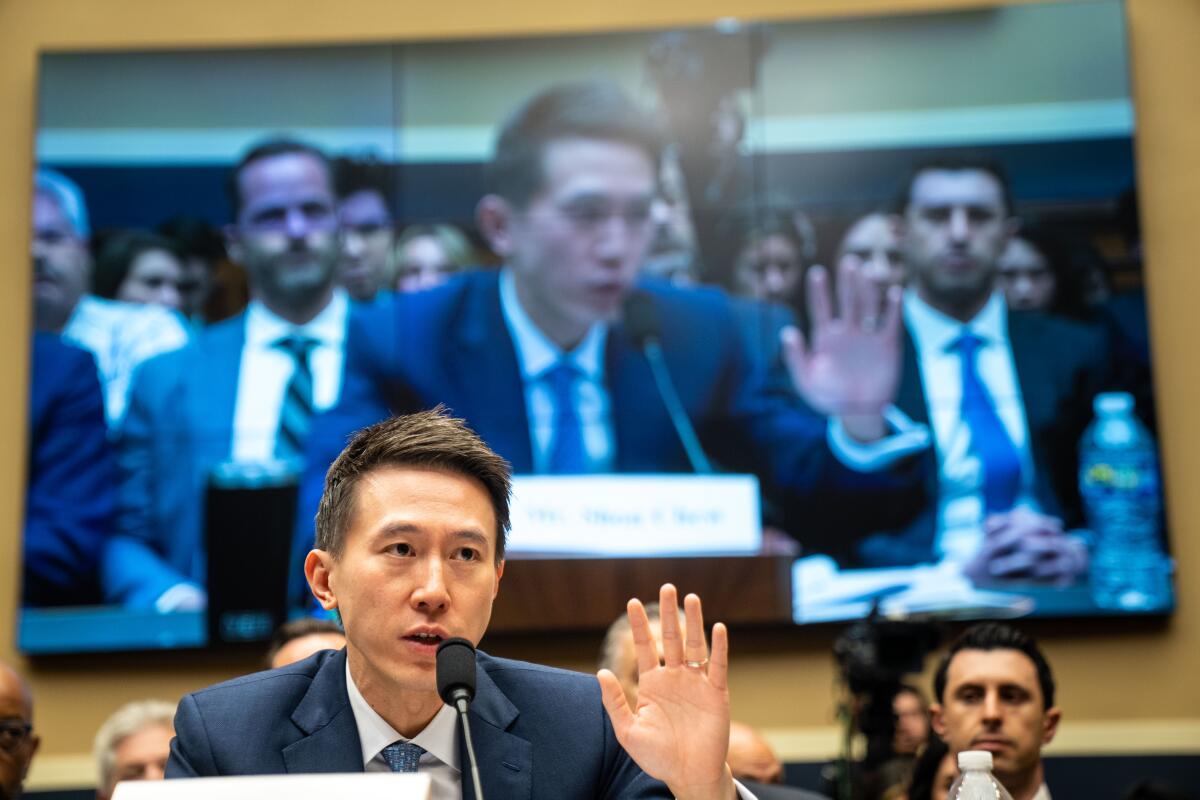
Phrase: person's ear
(494, 217)
(936, 720)
(318, 569)
(499, 575)
(1050, 724)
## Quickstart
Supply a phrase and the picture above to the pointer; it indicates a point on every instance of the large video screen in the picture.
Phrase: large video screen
(856, 299)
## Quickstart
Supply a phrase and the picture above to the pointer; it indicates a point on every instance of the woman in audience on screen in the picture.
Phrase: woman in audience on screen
(427, 255)
(138, 267)
(933, 772)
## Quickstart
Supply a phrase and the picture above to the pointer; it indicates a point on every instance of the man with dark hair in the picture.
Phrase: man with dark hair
(366, 265)
(242, 395)
(410, 552)
(1002, 397)
(298, 639)
(18, 742)
(994, 691)
(539, 358)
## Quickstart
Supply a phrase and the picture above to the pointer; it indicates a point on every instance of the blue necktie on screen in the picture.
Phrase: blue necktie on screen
(295, 415)
(990, 442)
(566, 445)
(402, 756)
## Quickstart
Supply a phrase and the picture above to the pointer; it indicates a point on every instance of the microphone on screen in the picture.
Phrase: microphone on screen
(641, 321)
(456, 687)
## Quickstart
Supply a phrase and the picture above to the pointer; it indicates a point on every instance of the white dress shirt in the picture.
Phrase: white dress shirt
(121, 336)
(439, 740)
(266, 369)
(960, 472)
(536, 355)
(1043, 793)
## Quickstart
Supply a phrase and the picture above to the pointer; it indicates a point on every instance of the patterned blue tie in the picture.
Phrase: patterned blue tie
(295, 415)
(990, 442)
(402, 756)
(566, 446)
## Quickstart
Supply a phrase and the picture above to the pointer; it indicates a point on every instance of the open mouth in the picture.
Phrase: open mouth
(428, 639)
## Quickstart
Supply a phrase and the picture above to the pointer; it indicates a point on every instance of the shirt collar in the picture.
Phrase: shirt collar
(535, 352)
(934, 331)
(439, 738)
(264, 327)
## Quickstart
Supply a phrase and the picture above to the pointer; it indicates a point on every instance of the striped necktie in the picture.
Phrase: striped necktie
(295, 414)
(990, 442)
(402, 756)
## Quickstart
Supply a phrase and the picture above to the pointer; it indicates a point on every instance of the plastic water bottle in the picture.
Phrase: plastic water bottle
(975, 780)
(1118, 479)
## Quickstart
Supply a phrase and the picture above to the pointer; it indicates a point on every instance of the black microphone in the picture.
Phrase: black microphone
(456, 687)
(641, 321)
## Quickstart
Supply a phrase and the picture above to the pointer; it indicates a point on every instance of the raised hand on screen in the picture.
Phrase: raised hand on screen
(849, 366)
(679, 732)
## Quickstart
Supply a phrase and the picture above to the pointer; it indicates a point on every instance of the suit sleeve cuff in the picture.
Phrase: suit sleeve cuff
(907, 438)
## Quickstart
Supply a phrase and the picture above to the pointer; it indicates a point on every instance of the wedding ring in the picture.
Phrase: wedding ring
(696, 664)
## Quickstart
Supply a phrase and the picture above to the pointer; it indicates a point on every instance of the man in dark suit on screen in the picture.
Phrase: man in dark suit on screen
(543, 360)
(1002, 397)
(410, 551)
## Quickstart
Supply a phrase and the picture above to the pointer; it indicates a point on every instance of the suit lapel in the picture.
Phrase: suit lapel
(331, 743)
(910, 398)
(1036, 374)
(491, 393)
(505, 760)
(215, 397)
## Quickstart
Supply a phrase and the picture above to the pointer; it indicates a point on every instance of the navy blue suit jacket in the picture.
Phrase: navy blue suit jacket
(538, 732)
(1061, 364)
(177, 426)
(70, 502)
(450, 345)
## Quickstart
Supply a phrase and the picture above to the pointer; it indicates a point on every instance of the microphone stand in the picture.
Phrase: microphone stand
(679, 418)
(462, 703)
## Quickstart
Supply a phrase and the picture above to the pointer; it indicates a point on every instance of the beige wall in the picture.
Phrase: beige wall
(1123, 681)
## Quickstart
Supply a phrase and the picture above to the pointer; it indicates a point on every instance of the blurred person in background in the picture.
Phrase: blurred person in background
(772, 260)
(933, 772)
(672, 256)
(133, 744)
(70, 500)
(18, 742)
(120, 335)
(207, 291)
(138, 267)
(912, 721)
(427, 255)
(1004, 396)
(1026, 277)
(243, 394)
(873, 240)
(300, 638)
(366, 227)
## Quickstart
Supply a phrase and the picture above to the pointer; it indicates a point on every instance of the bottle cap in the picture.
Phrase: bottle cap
(1113, 402)
(974, 759)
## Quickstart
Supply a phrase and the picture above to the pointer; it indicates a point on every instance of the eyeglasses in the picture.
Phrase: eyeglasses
(13, 733)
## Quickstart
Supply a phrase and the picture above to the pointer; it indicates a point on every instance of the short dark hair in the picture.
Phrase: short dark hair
(354, 175)
(195, 237)
(996, 636)
(117, 254)
(270, 148)
(428, 439)
(957, 163)
(298, 629)
(597, 110)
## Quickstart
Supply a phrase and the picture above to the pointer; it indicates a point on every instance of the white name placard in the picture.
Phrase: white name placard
(360, 786)
(635, 515)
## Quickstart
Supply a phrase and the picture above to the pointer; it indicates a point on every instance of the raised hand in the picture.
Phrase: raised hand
(851, 367)
(679, 732)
